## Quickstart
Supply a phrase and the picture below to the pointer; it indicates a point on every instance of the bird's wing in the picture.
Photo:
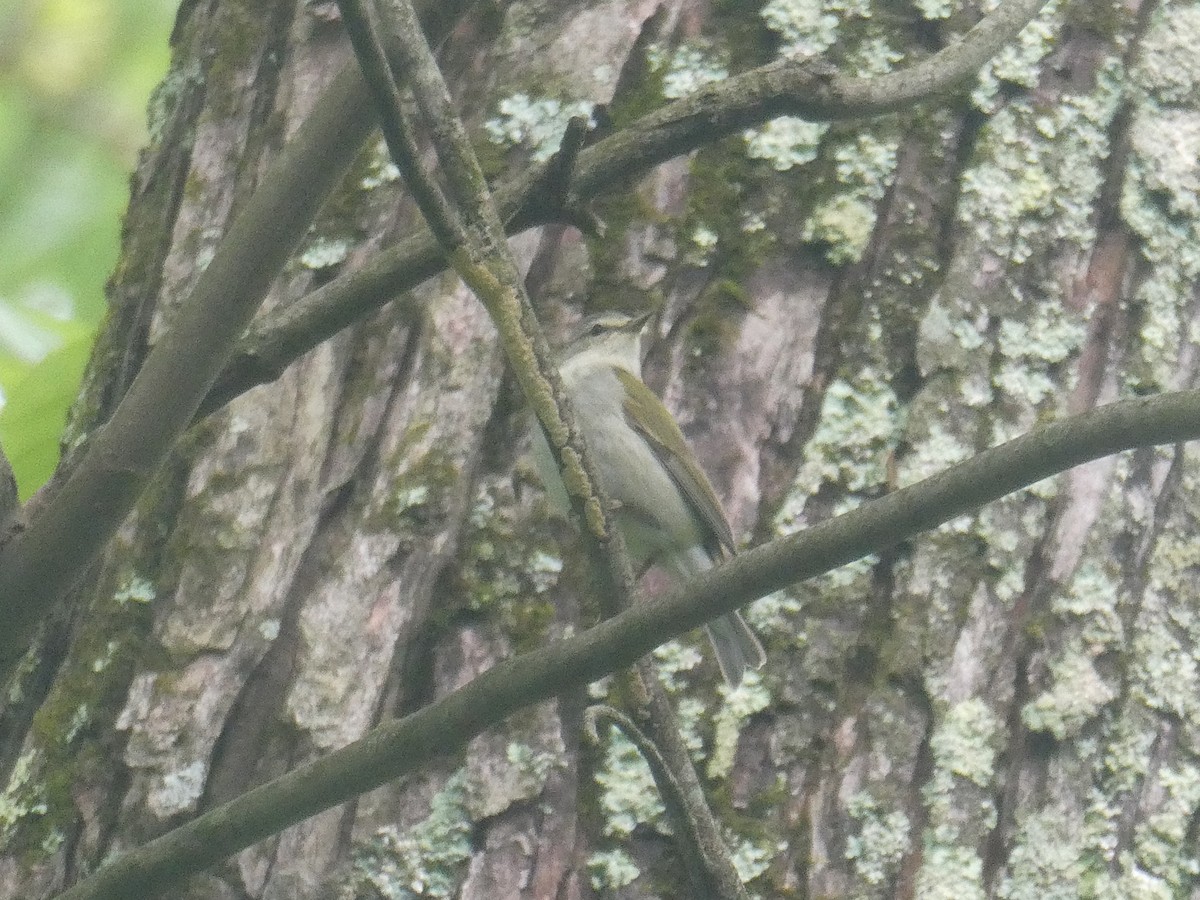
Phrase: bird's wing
(649, 418)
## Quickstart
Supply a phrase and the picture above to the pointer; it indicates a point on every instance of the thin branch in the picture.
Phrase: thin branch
(680, 800)
(654, 711)
(397, 131)
(399, 747)
(484, 261)
(555, 182)
(718, 110)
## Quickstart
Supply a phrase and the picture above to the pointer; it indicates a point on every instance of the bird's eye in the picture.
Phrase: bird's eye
(595, 329)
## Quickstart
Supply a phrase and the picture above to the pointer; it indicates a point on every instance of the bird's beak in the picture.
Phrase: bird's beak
(638, 322)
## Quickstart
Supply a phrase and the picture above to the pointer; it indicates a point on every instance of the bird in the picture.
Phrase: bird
(664, 504)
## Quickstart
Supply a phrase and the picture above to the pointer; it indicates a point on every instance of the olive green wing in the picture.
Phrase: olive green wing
(648, 416)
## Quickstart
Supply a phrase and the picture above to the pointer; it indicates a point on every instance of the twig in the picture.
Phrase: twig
(397, 131)
(555, 184)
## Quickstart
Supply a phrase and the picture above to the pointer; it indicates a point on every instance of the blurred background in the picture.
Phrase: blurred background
(75, 78)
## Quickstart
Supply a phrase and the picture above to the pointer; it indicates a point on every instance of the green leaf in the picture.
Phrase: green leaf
(32, 421)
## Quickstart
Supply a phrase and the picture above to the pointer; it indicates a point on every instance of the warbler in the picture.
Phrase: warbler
(664, 504)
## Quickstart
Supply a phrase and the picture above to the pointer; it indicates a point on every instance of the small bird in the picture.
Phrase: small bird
(664, 505)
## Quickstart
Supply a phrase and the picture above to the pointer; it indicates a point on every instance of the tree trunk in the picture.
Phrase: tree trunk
(1002, 708)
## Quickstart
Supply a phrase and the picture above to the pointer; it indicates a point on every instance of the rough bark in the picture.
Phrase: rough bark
(1005, 707)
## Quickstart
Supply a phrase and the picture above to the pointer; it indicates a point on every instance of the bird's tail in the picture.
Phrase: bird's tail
(736, 647)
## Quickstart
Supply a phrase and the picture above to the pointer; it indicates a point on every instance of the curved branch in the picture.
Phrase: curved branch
(396, 748)
(718, 110)
(705, 856)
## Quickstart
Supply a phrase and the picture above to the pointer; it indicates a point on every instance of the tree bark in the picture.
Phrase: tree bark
(1002, 708)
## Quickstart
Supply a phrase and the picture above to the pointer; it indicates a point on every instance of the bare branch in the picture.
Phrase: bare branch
(484, 261)
(397, 131)
(718, 110)
(682, 802)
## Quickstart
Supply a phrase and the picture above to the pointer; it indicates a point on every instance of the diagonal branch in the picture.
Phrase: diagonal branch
(699, 831)
(43, 559)
(716, 111)
(397, 132)
(399, 747)
(482, 258)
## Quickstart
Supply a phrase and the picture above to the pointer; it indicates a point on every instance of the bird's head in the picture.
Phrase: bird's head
(611, 335)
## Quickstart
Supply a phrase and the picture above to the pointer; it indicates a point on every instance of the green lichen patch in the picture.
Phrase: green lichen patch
(742, 702)
(1019, 63)
(537, 123)
(377, 168)
(325, 252)
(24, 797)
(520, 776)
(883, 838)
(426, 860)
(949, 870)
(687, 68)
(1160, 205)
(844, 221)
(628, 796)
(611, 870)
(785, 142)
(65, 750)
(507, 567)
(751, 857)
(1168, 68)
(809, 28)
(1077, 695)
(1038, 171)
(1162, 842)
(1047, 861)
(415, 502)
(958, 799)
(673, 660)
(860, 425)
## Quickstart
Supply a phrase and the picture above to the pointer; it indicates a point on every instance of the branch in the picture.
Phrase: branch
(716, 111)
(700, 833)
(682, 801)
(43, 560)
(482, 258)
(397, 131)
(480, 254)
(399, 747)
(474, 238)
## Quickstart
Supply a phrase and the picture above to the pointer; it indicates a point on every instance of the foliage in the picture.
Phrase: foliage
(74, 79)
